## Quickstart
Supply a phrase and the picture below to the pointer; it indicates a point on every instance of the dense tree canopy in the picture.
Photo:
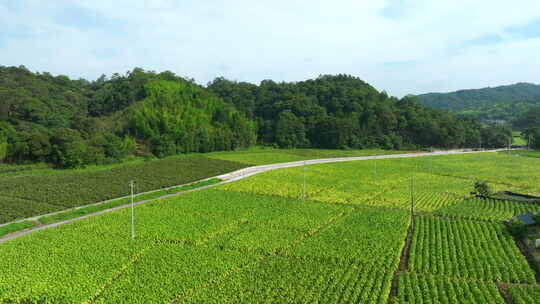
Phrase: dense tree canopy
(72, 123)
(180, 117)
(529, 119)
(343, 112)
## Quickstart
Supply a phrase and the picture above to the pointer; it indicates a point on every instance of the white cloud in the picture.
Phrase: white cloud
(421, 47)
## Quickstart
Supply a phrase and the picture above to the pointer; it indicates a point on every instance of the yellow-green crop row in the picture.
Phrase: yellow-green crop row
(467, 249)
(414, 288)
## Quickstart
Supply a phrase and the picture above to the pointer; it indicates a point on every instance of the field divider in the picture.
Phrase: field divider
(120, 272)
(458, 218)
(235, 226)
(403, 260)
(503, 290)
(313, 232)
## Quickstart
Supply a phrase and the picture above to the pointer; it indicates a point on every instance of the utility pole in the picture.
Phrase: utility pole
(304, 192)
(480, 142)
(431, 161)
(132, 185)
(374, 170)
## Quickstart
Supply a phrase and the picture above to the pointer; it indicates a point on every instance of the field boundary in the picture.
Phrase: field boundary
(134, 259)
(503, 290)
(225, 178)
(403, 265)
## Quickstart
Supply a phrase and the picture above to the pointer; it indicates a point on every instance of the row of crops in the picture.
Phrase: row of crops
(286, 280)
(467, 249)
(425, 288)
(524, 294)
(487, 209)
(23, 196)
(420, 288)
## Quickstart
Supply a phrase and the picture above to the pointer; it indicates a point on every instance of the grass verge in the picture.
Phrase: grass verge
(5, 230)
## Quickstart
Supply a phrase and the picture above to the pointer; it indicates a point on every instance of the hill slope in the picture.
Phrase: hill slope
(502, 102)
(72, 123)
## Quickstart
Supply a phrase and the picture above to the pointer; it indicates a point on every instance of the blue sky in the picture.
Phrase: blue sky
(402, 47)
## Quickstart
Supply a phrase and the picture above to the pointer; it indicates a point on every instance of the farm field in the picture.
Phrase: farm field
(30, 190)
(347, 236)
(26, 195)
(525, 153)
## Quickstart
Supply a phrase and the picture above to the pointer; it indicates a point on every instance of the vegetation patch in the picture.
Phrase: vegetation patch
(10, 228)
(40, 194)
(467, 249)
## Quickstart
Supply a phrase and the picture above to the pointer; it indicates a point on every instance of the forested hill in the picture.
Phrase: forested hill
(502, 102)
(343, 111)
(72, 123)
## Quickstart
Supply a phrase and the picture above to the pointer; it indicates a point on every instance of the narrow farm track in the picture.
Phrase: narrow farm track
(231, 177)
(403, 261)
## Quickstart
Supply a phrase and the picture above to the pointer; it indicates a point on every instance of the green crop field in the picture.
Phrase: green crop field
(420, 288)
(524, 153)
(467, 249)
(26, 195)
(31, 190)
(327, 233)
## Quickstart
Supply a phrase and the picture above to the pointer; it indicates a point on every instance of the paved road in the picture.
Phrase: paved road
(243, 173)
(240, 174)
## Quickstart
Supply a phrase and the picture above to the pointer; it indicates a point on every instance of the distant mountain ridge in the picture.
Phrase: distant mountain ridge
(468, 99)
(501, 102)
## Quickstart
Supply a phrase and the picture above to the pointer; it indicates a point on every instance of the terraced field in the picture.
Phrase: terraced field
(347, 236)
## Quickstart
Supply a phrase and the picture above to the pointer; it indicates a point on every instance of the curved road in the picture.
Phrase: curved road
(237, 175)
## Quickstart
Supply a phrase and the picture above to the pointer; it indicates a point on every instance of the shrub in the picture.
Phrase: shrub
(536, 219)
(481, 189)
(517, 229)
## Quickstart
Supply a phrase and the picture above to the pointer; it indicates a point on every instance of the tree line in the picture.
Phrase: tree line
(72, 123)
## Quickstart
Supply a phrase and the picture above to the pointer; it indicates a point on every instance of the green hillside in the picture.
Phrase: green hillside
(502, 102)
(75, 123)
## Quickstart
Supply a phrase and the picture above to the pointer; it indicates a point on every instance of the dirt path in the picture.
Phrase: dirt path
(503, 290)
(403, 261)
(231, 177)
